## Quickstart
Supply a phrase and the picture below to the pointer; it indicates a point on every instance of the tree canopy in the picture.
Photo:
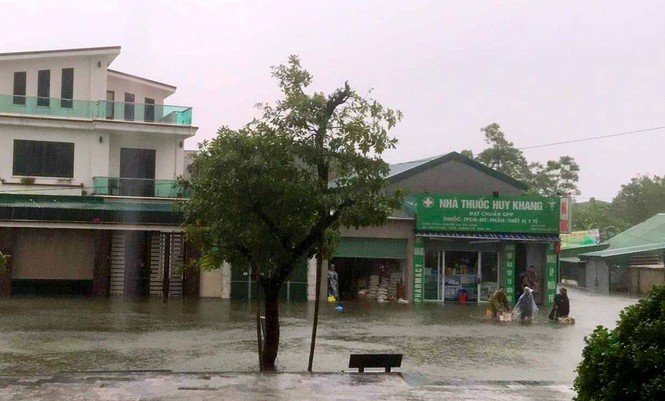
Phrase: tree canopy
(553, 178)
(600, 215)
(640, 199)
(627, 363)
(279, 188)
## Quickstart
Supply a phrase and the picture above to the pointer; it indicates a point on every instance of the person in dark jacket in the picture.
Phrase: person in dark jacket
(561, 307)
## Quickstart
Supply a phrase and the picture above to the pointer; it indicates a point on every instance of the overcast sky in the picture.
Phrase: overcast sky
(545, 71)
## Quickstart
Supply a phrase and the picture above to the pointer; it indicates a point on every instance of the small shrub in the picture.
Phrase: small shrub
(627, 363)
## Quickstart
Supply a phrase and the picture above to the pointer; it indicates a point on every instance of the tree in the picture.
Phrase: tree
(553, 178)
(627, 363)
(502, 155)
(263, 194)
(600, 215)
(640, 199)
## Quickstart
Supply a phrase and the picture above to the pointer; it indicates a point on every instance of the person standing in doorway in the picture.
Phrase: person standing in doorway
(530, 279)
(333, 282)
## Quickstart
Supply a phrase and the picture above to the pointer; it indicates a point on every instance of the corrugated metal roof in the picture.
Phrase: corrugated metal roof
(402, 167)
(490, 236)
(625, 250)
(651, 231)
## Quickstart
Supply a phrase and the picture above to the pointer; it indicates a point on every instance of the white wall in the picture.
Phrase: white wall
(121, 85)
(169, 159)
(210, 284)
(89, 76)
(90, 156)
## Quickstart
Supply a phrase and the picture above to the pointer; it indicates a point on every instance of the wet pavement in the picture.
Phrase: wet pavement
(160, 386)
(443, 345)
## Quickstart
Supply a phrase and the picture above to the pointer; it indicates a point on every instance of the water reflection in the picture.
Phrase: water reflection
(439, 341)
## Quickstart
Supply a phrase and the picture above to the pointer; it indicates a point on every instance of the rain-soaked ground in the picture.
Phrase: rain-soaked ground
(441, 343)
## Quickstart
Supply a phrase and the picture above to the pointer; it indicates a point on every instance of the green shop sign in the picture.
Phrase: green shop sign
(515, 214)
(418, 270)
(509, 263)
(550, 274)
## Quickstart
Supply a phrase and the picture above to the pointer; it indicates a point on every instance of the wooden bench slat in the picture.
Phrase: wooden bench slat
(386, 361)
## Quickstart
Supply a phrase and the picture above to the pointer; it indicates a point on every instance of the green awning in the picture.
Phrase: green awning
(87, 209)
(371, 248)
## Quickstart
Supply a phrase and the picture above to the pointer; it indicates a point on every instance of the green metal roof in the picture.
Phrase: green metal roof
(625, 250)
(572, 252)
(651, 231)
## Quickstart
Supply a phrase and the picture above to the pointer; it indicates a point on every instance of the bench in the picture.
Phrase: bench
(387, 361)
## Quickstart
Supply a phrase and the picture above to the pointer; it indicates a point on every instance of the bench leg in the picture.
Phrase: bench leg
(361, 370)
(387, 369)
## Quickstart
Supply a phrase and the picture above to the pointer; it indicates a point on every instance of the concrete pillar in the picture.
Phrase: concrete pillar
(226, 280)
(311, 279)
(211, 283)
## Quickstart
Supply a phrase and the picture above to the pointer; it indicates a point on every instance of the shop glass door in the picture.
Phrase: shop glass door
(460, 275)
(432, 275)
(489, 274)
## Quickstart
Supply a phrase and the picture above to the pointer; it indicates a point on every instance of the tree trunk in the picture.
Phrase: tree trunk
(317, 300)
(271, 343)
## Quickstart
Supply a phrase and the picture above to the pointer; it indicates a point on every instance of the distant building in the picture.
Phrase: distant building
(631, 261)
(89, 158)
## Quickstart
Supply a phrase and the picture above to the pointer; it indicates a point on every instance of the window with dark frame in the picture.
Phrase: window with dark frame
(43, 159)
(149, 110)
(129, 106)
(67, 88)
(19, 87)
(43, 88)
(110, 105)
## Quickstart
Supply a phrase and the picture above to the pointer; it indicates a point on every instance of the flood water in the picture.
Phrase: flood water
(441, 342)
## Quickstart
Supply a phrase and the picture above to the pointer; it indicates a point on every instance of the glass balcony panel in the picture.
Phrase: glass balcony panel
(29, 105)
(140, 187)
(118, 111)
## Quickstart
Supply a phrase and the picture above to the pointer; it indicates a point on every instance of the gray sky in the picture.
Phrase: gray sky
(545, 71)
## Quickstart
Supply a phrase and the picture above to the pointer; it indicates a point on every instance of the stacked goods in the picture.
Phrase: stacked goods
(395, 279)
(362, 287)
(382, 292)
(373, 286)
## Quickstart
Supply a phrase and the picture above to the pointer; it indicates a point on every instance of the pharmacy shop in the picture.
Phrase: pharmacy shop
(467, 246)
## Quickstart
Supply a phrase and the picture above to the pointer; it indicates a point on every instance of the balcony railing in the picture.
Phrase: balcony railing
(100, 109)
(118, 186)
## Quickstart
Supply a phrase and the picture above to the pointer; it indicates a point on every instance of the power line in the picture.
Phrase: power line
(593, 138)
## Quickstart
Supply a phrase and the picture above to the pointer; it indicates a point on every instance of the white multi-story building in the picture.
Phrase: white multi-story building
(89, 162)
